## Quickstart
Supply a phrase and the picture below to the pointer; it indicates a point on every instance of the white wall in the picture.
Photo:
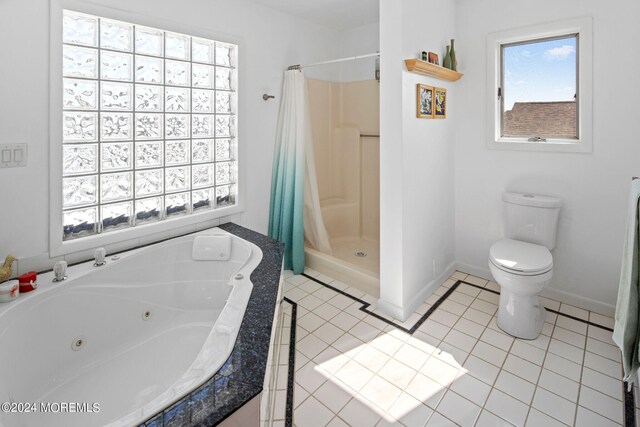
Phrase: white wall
(359, 41)
(272, 41)
(416, 171)
(594, 187)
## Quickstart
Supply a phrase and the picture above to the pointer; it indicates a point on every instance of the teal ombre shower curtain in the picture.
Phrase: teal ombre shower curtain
(295, 204)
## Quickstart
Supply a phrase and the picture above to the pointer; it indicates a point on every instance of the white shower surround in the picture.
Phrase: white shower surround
(130, 363)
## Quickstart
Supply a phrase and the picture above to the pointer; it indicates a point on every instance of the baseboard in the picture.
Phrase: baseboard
(579, 301)
(553, 293)
(481, 272)
(403, 313)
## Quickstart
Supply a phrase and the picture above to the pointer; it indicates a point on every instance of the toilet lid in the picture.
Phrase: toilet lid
(521, 256)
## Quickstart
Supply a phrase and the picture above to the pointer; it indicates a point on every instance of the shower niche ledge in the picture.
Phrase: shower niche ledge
(429, 69)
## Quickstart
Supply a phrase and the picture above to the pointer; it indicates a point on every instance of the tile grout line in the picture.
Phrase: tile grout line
(629, 409)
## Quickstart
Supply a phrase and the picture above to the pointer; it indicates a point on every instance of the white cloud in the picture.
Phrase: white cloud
(559, 52)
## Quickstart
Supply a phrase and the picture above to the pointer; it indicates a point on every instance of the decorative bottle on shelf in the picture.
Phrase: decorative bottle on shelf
(454, 60)
(446, 62)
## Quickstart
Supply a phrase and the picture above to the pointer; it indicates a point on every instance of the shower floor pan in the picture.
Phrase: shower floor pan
(347, 263)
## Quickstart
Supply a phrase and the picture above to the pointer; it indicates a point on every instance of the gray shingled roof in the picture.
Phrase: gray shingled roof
(544, 119)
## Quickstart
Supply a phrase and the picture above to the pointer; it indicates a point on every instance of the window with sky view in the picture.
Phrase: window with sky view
(539, 88)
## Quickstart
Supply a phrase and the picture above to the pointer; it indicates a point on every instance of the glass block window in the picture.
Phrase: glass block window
(149, 124)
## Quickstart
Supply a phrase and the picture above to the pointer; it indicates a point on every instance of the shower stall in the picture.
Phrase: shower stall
(345, 123)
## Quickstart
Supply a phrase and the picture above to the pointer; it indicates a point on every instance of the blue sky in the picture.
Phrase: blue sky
(542, 71)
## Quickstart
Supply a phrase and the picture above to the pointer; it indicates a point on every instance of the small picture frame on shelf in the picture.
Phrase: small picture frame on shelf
(424, 101)
(439, 103)
(433, 58)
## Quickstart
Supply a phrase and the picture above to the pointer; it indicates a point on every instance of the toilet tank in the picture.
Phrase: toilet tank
(532, 218)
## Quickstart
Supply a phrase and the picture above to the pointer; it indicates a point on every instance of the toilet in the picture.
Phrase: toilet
(522, 263)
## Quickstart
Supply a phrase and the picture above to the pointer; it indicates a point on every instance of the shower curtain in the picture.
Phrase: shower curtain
(295, 203)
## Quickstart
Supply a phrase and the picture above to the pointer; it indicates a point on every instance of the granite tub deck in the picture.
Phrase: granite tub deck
(241, 378)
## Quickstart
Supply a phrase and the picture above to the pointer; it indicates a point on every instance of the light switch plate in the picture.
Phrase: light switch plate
(13, 155)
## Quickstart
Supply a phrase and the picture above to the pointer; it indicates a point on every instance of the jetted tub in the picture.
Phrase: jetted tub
(132, 336)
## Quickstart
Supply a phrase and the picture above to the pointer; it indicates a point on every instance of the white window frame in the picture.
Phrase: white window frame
(584, 142)
(57, 246)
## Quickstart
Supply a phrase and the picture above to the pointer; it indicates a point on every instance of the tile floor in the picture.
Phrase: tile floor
(457, 368)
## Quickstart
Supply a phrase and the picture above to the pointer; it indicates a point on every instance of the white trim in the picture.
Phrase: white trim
(56, 246)
(549, 292)
(583, 27)
(403, 313)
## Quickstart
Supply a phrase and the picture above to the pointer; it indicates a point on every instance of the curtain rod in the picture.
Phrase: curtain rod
(349, 58)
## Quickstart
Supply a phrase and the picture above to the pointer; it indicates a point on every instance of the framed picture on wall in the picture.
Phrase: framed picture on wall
(424, 102)
(439, 103)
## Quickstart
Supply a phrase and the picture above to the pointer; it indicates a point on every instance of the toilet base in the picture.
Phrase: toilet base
(520, 315)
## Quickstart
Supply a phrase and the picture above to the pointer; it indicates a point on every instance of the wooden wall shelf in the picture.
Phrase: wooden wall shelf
(429, 69)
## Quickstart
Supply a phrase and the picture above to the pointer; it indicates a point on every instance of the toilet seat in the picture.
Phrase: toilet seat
(520, 258)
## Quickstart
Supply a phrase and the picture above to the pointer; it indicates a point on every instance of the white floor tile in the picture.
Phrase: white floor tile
(348, 344)
(397, 373)
(434, 329)
(328, 333)
(324, 293)
(565, 350)
(471, 389)
(340, 301)
(357, 412)
(476, 280)
(426, 390)
(507, 407)
(480, 369)
(444, 317)
(458, 409)
(487, 419)
(570, 337)
(603, 349)
(603, 365)
(299, 395)
(450, 354)
(344, 321)
(331, 360)
(549, 303)
(461, 298)
(311, 376)
(387, 344)
(311, 346)
(562, 366)
(468, 290)
(497, 339)
(572, 325)
(599, 319)
(554, 406)
(311, 287)
(515, 386)
(297, 279)
(439, 371)
(477, 316)
(489, 353)
(312, 413)
(380, 392)
(587, 418)
(559, 385)
(310, 322)
(409, 411)
(601, 334)
(528, 352)
(574, 311)
(371, 358)
(538, 419)
(603, 383)
(337, 422)
(459, 275)
(354, 375)
(469, 327)
(602, 404)
(280, 405)
(310, 302)
(522, 368)
(364, 331)
(460, 340)
(484, 306)
(411, 356)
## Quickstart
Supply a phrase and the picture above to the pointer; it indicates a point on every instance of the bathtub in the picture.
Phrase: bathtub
(113, 345)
